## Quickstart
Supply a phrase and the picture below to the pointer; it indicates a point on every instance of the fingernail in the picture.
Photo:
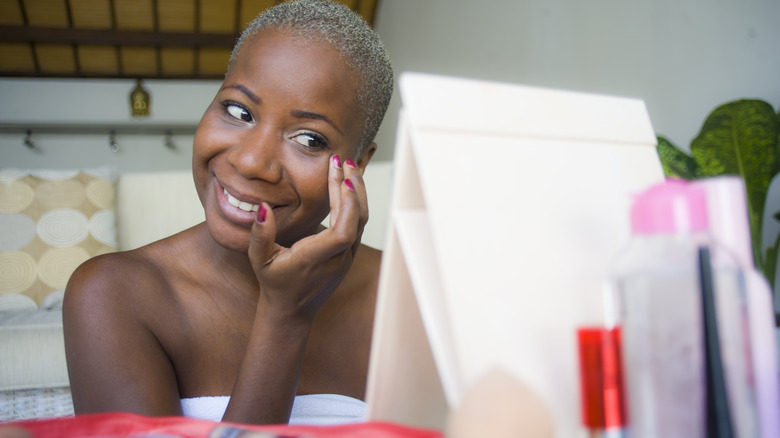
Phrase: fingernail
(337, 161)
(349, 184)
(261, 214)
(350, 163)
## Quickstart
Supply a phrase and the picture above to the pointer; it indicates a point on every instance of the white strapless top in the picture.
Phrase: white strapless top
(314, 409)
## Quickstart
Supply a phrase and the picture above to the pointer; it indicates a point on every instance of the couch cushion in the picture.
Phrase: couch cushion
(154, 205)
(51, 222)
(31, 337)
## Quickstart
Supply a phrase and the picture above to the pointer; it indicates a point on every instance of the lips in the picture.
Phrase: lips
(235, 202)
(237, 208)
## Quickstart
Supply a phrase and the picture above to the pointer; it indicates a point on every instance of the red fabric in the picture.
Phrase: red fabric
(137, 426)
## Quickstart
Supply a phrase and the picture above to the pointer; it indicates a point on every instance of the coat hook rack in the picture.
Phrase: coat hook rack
(168, 130)
(100, 128)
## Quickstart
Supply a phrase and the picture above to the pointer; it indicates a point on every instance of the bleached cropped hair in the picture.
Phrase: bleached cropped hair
(348, 34)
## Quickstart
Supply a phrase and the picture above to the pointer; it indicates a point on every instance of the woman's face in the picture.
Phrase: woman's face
(286, 106)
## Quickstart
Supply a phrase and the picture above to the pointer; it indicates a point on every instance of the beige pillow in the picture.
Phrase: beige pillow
(50, 223)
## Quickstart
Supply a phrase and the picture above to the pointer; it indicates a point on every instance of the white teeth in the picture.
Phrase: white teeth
(240, 204)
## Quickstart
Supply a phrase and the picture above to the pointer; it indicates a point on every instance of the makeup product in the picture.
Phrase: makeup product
(728, 224)
(601, 382)
(656, 285)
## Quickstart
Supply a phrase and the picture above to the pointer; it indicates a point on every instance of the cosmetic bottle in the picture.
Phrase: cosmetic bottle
(657, 287)
(728, 224)
(602, 407)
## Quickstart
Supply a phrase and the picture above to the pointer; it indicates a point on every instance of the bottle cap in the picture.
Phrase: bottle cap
(674, 206)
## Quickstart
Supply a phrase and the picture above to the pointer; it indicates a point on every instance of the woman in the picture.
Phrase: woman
(258, 312)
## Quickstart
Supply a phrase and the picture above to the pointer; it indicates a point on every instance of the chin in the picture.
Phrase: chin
(229, 236)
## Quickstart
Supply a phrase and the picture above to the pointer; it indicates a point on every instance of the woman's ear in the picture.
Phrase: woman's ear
(365, 156)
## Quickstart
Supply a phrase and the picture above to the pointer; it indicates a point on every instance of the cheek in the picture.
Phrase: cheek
(199, 157)
(205, 146)
(206, 139)
(317, 186)
(312, 185)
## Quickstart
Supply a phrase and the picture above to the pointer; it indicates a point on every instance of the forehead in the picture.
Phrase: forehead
(299, 71)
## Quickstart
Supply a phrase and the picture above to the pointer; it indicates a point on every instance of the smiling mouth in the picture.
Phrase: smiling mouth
(240, 204)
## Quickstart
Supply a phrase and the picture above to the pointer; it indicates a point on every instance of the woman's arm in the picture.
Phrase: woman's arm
(115, 362)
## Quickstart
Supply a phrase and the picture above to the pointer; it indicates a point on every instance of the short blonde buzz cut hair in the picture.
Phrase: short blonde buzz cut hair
(345, 31)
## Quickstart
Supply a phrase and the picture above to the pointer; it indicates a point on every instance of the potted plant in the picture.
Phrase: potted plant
(738, 138)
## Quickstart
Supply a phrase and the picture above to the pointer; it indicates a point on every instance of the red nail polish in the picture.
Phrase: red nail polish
(337, 161)
(261, 214)
(349, 184)
(351, 163)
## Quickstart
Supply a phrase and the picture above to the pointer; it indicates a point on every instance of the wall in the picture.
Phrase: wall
(99, 101)
(683, 57)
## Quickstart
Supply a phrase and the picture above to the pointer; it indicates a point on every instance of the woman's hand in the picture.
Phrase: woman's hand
(297, 281)
(294, 284)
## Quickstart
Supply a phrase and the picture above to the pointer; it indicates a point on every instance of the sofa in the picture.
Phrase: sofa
(51, 221)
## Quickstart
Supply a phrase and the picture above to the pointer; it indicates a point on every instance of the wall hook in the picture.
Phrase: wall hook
(169, 140)
(112, 142)
(28, 141)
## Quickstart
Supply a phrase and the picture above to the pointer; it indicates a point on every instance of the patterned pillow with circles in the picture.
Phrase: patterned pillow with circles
(51, 221)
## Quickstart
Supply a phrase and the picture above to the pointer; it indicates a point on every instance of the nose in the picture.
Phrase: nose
(256, 155)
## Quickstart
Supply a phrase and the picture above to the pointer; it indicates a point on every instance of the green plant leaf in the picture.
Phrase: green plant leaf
(676, 163)
(776, 170)
(741, 138)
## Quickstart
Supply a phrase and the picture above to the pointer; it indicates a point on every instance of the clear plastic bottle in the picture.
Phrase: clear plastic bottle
(658, 306)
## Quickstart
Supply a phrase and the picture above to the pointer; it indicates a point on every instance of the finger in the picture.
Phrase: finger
(262, 246)
(355, 175)
(347, 215)
(335, 178)
(342, 233)
(346, 229)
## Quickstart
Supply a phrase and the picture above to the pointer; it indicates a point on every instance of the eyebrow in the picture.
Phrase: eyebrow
(252, 96)
(315, 116)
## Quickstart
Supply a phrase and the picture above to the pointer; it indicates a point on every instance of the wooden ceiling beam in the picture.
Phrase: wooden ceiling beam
(113, 37)
(97, 75)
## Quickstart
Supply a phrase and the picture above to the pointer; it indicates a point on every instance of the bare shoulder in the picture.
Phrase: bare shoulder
(111, 318)
(367, 261)
(363, 277)
(355, 298)
(117, 295)
(115, 279)
(139, 277)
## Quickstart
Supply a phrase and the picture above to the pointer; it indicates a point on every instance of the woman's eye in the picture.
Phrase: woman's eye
(238, 112)
(311, 140)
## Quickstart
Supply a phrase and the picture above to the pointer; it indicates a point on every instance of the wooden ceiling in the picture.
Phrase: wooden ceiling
(175, 39)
